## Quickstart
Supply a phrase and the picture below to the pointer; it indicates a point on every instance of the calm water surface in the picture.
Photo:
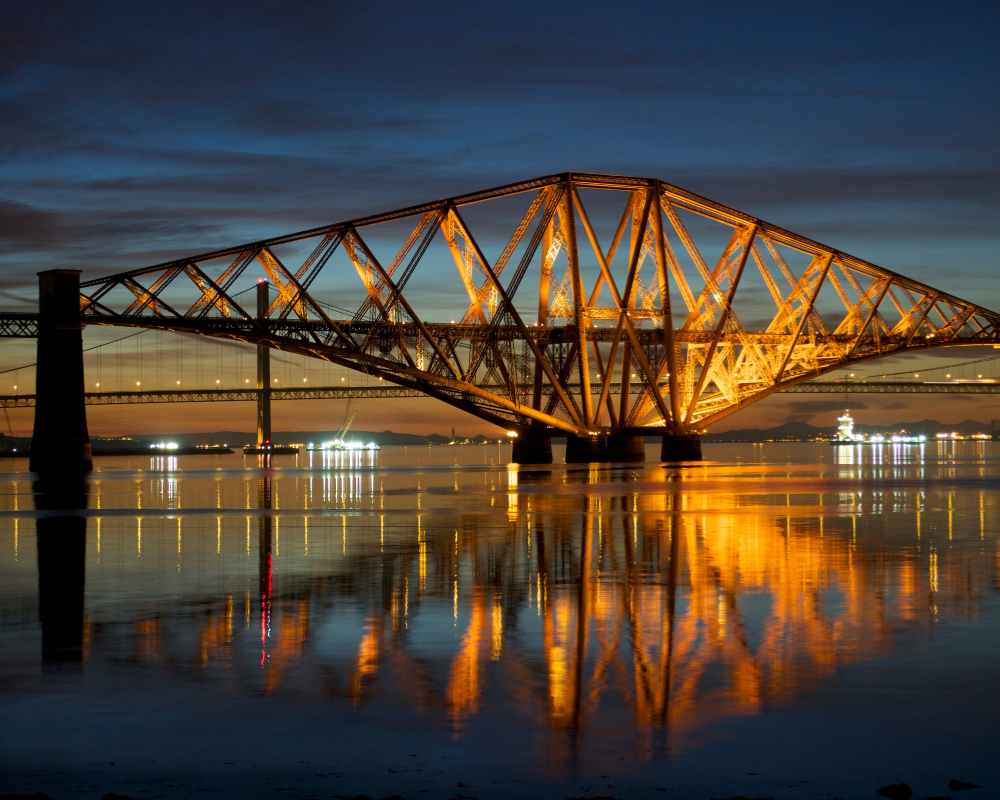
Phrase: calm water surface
(782, 620)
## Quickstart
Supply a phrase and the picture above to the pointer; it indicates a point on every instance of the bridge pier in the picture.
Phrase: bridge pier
(532, 446)
(681, 447)
(626, 448)
(586, 449)
(60, 443)
(263, 371)
(62, 556)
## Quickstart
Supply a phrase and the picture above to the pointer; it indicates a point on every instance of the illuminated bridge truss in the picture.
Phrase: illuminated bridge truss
(598, 280)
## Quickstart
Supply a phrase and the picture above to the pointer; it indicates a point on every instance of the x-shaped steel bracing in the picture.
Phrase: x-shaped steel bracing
(644, 307)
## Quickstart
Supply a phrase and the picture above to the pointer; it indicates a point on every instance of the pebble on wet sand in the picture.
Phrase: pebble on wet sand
(741, 797)
(897, 791)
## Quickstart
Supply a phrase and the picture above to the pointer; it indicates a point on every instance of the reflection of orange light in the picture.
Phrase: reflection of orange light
(685, 640)
(289, 635)
(147, 639)
(690, 608)
(463, 680)
(559, 629)
(497, 630)
(217, 635)
(367, 662)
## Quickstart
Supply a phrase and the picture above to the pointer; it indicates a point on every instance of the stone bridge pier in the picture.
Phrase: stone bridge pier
(534, 446)
(60, 443)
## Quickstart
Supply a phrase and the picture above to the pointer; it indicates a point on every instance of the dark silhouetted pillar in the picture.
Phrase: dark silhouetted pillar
(532, 446)
(60, 443)
(681, 447)
(626, 448)
(586, 449)
(263, 371)
(62, 553)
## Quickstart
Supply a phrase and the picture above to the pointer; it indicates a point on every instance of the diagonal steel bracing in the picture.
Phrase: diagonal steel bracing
(683, 343)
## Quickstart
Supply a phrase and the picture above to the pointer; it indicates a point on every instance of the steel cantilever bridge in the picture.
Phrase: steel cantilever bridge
(617, 307)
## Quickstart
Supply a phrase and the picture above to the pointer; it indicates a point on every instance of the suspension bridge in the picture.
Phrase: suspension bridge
(643, 314)
(216, 395)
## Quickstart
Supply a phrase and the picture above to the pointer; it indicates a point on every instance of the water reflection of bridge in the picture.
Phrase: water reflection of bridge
(588, 607)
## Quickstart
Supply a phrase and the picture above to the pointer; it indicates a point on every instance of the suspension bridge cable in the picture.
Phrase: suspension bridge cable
(85, 350)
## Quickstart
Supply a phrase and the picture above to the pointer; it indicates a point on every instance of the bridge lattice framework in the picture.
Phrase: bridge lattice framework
(657, 312)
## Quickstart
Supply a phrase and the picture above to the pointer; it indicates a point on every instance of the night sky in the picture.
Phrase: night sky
(132, 133)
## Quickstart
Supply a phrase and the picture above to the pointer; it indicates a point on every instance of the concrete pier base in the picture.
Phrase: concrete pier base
(532, 446)
(684, 447)
(62, 557)
(586, 449)
(625, 448)
(60, 444)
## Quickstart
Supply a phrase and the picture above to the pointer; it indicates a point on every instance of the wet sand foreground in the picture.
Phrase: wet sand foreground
(784, 621)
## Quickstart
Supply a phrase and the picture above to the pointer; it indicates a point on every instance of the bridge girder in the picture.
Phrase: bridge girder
(551, 359)
(384, 390)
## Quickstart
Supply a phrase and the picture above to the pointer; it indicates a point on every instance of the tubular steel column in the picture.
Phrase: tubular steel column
(60, 443)
(263, 371)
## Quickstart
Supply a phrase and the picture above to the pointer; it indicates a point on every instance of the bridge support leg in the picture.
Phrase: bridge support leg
(626, 448)
(60, 443)
(263, 371)
(62, 556)
(681, 447)
(532, 446)
(586, 449)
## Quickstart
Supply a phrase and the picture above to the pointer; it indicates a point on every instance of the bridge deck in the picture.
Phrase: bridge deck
(388, 390)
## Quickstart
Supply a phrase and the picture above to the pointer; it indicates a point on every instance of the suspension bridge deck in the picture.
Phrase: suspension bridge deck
(388, 390)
